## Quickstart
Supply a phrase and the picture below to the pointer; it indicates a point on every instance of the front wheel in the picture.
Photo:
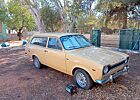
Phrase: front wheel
(83, 79)
(36, 63)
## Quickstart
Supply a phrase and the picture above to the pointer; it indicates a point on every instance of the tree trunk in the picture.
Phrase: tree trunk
(64, 24)
(72, 24)
(34, 9)
(22, 22)
(62, 15)
(51, 27)
(124, 20)
(37, 18)
(107, 20)
(42, 26)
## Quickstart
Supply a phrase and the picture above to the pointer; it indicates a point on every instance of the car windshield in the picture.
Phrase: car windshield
(71, 42)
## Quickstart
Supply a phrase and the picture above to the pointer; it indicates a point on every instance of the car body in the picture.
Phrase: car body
(73, 54)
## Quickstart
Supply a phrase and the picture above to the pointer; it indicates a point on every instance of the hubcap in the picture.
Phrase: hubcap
(81, 79)
(36, 63)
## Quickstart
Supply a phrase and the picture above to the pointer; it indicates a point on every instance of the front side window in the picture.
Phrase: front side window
(71, 42)
(41, 41)
(54, 43)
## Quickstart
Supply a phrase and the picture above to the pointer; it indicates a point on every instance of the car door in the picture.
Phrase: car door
(38, 48)
(56, 55)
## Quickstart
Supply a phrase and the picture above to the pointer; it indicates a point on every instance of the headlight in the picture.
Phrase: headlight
(105, 70)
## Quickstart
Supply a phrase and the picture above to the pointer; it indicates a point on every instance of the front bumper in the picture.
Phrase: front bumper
(113, 76)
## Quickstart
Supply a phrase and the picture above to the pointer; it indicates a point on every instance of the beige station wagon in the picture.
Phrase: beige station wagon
(73, 54)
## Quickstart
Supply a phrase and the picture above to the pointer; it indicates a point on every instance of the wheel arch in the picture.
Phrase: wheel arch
(34, 55)
(87, 71)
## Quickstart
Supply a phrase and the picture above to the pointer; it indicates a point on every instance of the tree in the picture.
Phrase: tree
(74, 10)
(61, 11)
(34, 7)
(116, 9)
(3, 10)
(19, 16)
(51, 18)
(70, 11)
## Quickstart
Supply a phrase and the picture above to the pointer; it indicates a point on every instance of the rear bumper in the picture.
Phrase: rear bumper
(113, 76)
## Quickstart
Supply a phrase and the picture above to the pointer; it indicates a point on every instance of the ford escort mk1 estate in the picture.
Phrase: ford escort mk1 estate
(73, 54)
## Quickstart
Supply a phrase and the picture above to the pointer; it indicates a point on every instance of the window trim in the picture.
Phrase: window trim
(59, 42)
(39, 45)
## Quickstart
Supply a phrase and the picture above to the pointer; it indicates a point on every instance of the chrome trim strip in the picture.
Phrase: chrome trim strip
(113, 76)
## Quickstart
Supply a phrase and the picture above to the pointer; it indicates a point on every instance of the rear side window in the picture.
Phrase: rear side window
(54, 44)
(41, 41)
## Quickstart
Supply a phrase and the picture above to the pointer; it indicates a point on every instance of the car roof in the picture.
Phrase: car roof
(53, 34)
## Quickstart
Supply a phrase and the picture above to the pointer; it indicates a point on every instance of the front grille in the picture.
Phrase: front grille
(118, 64)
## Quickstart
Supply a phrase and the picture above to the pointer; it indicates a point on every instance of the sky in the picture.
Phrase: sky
(5, 1)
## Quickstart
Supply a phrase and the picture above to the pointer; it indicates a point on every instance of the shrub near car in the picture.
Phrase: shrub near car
(73, 54)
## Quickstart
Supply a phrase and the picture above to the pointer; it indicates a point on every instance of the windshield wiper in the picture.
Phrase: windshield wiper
(74, 47)
(86, 46)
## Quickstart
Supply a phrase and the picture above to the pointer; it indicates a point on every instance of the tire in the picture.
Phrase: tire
(36, 62)
(82, 79)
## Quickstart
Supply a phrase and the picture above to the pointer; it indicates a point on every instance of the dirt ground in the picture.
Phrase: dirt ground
(19, 80)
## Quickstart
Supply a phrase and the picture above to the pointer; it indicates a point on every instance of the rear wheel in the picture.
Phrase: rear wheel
(36, 62)
(82, 79)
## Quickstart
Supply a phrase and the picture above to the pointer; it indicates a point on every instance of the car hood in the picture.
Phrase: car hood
(100, 55)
